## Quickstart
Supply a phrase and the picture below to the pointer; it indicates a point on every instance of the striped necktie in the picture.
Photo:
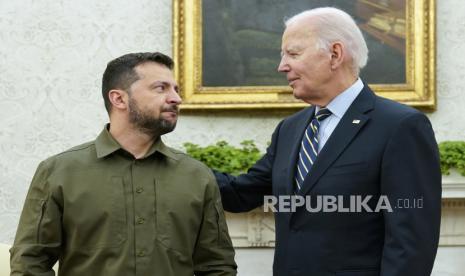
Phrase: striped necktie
(309, 147)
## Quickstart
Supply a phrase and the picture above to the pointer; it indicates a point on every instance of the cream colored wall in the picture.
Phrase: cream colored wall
(53, 52)
(4, 259)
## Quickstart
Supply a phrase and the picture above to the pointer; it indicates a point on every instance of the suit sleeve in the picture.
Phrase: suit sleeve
(245, 192)
(38, 238)
(214, 253)
(411, 170)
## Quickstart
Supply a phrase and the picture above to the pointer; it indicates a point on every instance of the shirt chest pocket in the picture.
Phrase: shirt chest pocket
(178, 212)
(95, 215)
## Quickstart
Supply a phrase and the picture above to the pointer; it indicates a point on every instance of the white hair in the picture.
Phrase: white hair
(331, 25)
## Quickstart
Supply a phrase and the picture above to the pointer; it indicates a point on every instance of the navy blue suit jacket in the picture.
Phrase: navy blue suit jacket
(391, 151)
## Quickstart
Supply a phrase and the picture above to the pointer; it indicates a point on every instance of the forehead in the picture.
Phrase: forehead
(297, 34)
(154, 71)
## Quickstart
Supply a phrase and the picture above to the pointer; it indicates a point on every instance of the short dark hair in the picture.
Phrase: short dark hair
(120, 73)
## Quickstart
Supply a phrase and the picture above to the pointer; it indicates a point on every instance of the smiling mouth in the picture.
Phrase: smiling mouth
(291, 82)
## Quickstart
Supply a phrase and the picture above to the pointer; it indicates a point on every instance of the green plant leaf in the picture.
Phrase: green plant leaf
(452, 156)
(224, 157)
(235, 160)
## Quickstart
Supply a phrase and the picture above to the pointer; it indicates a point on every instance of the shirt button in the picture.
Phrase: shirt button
(139, 190)
(141, 253)
(140, 221)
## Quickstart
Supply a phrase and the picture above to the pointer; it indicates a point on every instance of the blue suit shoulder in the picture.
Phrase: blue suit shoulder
(392, 114)
(394, 109)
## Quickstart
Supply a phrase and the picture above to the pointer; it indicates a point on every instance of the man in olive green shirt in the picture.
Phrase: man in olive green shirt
(126, 204)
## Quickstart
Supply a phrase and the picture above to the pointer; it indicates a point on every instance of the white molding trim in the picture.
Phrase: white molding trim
(256, 228)
(453, 185)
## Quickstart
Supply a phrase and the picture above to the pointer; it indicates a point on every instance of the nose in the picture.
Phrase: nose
(283, 65)
(174, 97)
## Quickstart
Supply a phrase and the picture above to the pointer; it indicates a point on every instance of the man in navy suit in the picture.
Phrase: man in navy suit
(350, 146)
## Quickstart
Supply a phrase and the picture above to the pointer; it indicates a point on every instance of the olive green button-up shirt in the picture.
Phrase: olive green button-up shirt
(99, 211)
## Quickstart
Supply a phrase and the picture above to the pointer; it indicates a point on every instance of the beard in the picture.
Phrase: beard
(148, 123)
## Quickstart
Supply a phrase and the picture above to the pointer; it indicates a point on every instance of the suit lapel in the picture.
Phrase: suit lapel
(351, 123)
(299, 127)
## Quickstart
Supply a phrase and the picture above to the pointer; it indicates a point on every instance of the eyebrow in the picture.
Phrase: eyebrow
(291, 49)
(164, 83)
(157, 83)
(294, 48)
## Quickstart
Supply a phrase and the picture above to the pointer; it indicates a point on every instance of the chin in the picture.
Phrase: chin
(298, 94)
(305, 97)
(167, 127)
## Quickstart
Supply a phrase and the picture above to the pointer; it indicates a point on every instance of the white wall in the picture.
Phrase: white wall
(53, 53)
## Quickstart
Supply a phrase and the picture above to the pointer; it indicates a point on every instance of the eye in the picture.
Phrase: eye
(160, 87)
(293, 55)
(290, 54)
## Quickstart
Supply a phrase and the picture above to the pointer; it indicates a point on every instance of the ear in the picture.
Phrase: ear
(118, 98)
(337, 54)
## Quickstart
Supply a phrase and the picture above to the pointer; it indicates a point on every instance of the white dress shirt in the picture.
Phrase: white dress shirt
(338, 107)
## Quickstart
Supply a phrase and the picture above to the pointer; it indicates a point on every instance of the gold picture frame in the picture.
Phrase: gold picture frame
(418, 50)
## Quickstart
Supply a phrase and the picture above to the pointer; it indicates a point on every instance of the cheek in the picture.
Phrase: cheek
(158, 102)
(309, 72)
(299, 68)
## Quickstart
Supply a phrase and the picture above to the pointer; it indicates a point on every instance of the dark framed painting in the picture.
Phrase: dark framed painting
(227, 52)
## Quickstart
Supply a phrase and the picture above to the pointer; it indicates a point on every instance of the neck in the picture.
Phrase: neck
(335, 88)
(132, 140)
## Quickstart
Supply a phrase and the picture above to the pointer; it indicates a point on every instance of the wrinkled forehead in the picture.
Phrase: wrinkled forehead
(298, 34)
(301, 26)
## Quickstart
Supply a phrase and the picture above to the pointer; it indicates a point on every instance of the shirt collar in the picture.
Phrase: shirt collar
(339, 105)
(105, 145)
